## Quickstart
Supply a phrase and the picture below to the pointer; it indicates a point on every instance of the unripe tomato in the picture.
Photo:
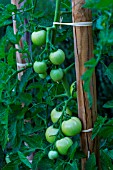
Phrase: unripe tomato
(57, 74)
(72, 90)
(40, 67)
(39, 37)
(71, 127)
(51, 133)
(63, 145)
(53, 155)
(43, 76)
(57, 57)
(55, 115)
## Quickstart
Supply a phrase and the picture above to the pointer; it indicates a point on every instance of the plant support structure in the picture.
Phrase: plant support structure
(83, 47)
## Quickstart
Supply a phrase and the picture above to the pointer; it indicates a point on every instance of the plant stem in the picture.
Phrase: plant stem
(60, 95)
(69, 67)
(57, 11)
(64, 108)
(18, 71)
(66, 85)
(56, 19)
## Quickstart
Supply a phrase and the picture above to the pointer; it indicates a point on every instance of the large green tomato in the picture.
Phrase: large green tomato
(72, 90)
(57, 74)
(57, 57)
(40, 67)
(53, 155)
(63, 145)
(71, 127)
(39, 37)
(51, 133)
(55, 115)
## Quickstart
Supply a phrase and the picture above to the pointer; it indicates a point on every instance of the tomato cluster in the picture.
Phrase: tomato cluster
(64, 126)
(69, 128)
(56, 57)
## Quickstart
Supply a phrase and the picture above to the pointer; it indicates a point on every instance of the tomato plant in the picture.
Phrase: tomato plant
(57, 57)
(36, 109)
(72, 126)
(39, 37)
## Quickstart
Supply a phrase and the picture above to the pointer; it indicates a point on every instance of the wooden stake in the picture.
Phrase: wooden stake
(18, 55)
(83, 46)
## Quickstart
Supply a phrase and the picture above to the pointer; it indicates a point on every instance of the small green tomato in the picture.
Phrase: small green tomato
(53, 155)
(40, 67)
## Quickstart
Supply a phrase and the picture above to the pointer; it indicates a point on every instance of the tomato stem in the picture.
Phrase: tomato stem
(68, 68)
(59, 96)
(56, 19)
(66, 85)
(18, 71)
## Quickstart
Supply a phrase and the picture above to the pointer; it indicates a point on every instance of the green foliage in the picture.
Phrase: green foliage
(91, 163)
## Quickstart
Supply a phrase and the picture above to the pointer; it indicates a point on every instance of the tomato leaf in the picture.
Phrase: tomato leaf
(72, 150)
(24, 159)
(107, 130)
(106, 162)
(10, 58)
(2, 47)
(109, 72)
(109, 104)
(25, 98)
(98, 125)
(10, 35)
(91, 163)
(24, 79)
(3, 126)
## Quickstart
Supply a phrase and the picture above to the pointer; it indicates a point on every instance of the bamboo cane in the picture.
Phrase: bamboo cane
(83, 46)
(18, 55)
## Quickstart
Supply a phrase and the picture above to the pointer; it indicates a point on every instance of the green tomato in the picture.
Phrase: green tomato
(72, 90)
(39, 37)
(53, 155)
(57, 57)
(43, 76)
(51, 133)
(57, 74)
(63, 145)
(40, 67)
(71, 127)
(55, 115)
